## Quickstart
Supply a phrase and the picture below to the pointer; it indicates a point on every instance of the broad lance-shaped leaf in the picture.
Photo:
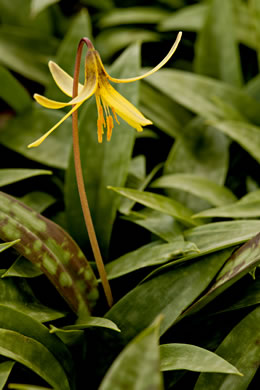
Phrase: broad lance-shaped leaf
(197, 185)
(148, 255)
(15, 320)
(241, 348)
(160, 203)
(193, 358)
(48, 246)
(33, 355)
(7, 245)
(9, 176)
(5, 370)
(246, 258)
(239, 209)
(138, 365)
(168, 293)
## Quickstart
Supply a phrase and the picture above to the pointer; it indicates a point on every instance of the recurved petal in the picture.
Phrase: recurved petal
(42, 138)
(63, 80)
(122, 106)
(159, 66)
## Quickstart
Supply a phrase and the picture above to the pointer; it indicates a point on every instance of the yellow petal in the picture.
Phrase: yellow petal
(159, 66)
(122, 106)
(42, 138)
(63, 80)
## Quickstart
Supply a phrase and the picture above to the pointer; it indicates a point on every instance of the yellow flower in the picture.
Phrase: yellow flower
(109, 101)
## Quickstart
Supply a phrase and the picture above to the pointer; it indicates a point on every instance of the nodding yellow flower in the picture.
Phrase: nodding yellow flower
(109, 102)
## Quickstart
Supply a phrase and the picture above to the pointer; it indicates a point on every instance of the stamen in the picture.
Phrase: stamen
(110, 125)
(115, 116)
(99, 130)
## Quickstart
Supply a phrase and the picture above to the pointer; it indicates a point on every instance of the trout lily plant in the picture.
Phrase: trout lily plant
(97, 82)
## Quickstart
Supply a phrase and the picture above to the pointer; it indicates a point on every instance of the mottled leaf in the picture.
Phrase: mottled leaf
(49, 247)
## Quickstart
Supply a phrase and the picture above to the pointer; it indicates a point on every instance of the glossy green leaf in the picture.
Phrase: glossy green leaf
(12, 92)
(162, 225)
(254, 9)
(236, 210)
(132, 15)
(39, 201)
(13, 175)
(5, 370)
(7, 245)
(102, 166)
(168, 293)
(17, 294)
(193, 358)
(49, 247)
(22, 268)
(216, 49)
(39, 5)
(167, 115)
(158, 202)
(198, 94)
(218, 235)
(23, 324)
(151, 254)
(18, 386)
(206, 189)
(241, 348)
(246, 134)
(240, 263)
(138, 365)
(200, 150)
(22, 130)
(108, 42)
(66, 55)
(90, 322)
(33, 355)
(70, 337)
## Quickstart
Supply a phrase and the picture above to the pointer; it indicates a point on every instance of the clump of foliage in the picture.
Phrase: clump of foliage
(176, 207)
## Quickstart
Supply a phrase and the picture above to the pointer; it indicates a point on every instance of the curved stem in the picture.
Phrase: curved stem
(80, 181)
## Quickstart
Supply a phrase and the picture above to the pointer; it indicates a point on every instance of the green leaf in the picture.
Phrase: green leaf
(218, 235)
(132, 15)
(90, 322)
(246, 134)
(254, 9)
(168, 293)
(193, 358)
(5, 370)
(198, 94)
(240, 209)
(241, 348)
(12, 92)
(22, 268)
(23, 129)
(17, 321)
(49, 247)
(103, 164)
(39, 201)
(206, 189)
(17, 294)
(158, 202)
(151, 254)
(167, 115)
(138, 365)
(18, 386)
(33, 355)
(216, 49)
(246, 258)
(7, 245)
(164, 226)
(38, 6)
(108, 42)
(13, 175)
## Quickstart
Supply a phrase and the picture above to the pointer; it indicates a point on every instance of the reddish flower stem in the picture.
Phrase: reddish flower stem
(80, 181)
